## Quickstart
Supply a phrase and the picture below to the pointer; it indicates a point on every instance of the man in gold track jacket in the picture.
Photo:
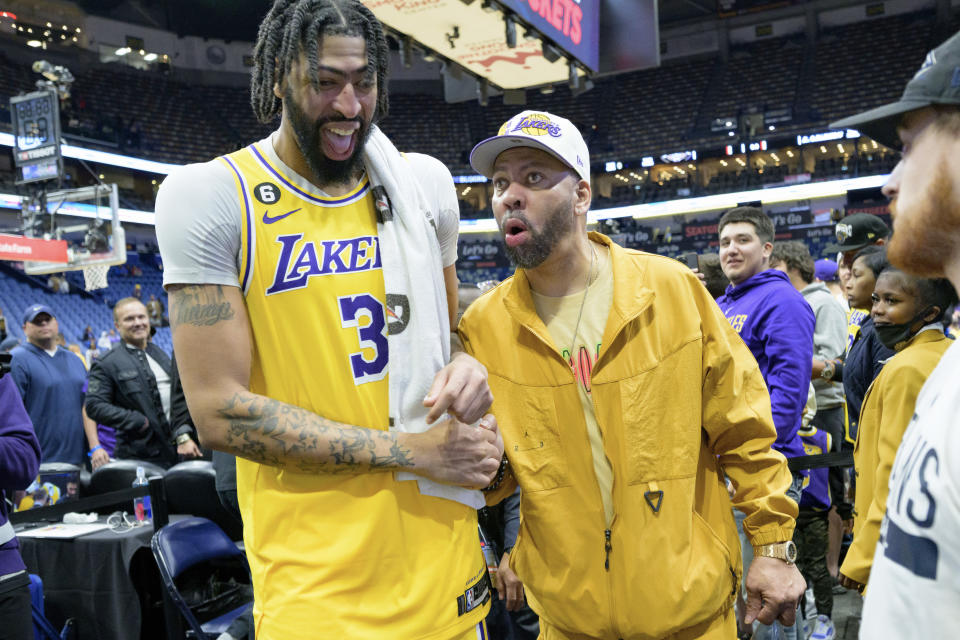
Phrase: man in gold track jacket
(624, 397)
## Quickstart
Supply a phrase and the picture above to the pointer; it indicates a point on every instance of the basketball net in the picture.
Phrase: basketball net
(95, 276)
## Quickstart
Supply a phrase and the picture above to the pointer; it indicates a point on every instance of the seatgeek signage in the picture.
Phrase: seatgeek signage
(827, 136)
(574, 25)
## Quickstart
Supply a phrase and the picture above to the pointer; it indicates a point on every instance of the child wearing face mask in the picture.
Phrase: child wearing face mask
(909, 316)
(866, 354)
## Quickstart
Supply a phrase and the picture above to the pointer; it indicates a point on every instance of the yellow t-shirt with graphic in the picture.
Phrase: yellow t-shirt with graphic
(336, 556)
(560, 315)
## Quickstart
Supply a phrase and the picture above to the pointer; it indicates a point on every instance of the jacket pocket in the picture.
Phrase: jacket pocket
(129, 381)
(673, 562)
(720, 578)
(533, 444)
(661, 420)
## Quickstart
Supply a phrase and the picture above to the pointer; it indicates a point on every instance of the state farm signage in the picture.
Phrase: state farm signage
(20, 248)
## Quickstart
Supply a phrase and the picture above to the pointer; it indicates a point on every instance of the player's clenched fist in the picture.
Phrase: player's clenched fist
(456, 453)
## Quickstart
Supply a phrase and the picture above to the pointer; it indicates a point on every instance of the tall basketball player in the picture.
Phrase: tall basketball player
(278, 264)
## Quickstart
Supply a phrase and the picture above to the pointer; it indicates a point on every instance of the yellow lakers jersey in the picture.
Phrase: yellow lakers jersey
(336, 556)
(855, 318)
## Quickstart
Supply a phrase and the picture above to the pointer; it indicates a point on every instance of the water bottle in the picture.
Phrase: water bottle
(141, 504)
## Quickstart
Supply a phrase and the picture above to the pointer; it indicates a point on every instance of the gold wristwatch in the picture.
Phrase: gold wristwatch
(786, 551)
(183, 438)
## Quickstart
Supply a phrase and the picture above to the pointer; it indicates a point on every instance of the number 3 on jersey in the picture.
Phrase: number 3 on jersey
(372, 336)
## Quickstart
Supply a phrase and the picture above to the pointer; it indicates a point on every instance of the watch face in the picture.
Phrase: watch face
(791, 550)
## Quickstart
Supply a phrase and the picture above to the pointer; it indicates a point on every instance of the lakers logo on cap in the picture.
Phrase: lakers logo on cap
(536, 124)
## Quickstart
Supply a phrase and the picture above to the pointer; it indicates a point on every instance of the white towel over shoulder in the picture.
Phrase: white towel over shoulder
(419, 325)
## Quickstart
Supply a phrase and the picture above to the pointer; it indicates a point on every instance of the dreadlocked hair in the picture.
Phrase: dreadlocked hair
(292, 26)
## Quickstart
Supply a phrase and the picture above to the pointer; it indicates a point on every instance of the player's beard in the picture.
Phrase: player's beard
(927, 237)
(533, 252)
(308, 134)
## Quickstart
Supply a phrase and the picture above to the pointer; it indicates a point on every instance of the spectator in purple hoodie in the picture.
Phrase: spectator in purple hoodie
(776, 324)
(19, 463)
(771, 316)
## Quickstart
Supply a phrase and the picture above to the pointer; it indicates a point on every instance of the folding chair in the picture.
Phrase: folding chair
(188, 543)
(43, 629)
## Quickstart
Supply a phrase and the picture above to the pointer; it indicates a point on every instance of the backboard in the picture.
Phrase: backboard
(86, 218)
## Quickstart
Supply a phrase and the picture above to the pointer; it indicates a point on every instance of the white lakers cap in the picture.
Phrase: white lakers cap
(540, 130)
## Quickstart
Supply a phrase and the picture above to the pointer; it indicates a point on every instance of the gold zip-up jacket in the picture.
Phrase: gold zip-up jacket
(680, 402)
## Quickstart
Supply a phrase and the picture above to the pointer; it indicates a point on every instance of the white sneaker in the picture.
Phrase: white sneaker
(824, 629)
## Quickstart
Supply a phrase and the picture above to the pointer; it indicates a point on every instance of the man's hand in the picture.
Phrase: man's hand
(702, 278)
(98, 459)
(460, 388)
(509, 585)
(849, 583)
(456, 453)
(189, 449)
(773, 590)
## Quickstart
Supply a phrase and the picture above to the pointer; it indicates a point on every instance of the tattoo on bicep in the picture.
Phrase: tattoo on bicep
(201, 306)
(278, 434)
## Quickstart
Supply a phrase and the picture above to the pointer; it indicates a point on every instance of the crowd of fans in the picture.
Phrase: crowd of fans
(809, 325)
(119, 398)
(842, 348)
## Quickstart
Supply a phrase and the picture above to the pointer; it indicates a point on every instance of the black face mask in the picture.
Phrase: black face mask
(896, 336)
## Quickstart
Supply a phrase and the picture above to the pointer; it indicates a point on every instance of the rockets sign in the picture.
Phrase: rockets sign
(574, 25)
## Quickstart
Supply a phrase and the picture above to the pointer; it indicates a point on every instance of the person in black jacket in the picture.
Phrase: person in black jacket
(129, 390)
(867, 355)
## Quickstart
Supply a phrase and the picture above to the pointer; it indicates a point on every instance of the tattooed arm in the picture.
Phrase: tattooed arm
(213, 343)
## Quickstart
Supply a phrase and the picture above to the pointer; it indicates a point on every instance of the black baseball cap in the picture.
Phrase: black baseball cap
(857, 231)
(937, 82)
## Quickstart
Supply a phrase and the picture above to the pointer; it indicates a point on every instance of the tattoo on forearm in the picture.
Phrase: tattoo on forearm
(278, 434)
(201, 306)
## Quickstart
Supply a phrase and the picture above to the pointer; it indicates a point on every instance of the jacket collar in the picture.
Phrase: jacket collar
(630, 296)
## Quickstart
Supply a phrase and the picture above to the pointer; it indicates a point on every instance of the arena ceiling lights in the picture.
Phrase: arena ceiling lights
(475, 34)
(718, 202)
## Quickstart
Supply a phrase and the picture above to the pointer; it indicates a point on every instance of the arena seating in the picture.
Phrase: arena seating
(624, 116)
(76, 310)
(866, 65)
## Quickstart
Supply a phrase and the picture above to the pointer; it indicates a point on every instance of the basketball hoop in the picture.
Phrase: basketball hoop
(95, 276)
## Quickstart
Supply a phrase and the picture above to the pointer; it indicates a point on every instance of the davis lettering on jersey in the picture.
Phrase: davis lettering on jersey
(912, 508)
(299, 261)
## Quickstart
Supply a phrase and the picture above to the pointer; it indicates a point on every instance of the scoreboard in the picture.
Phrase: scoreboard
(574, 25)
(36, 131)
